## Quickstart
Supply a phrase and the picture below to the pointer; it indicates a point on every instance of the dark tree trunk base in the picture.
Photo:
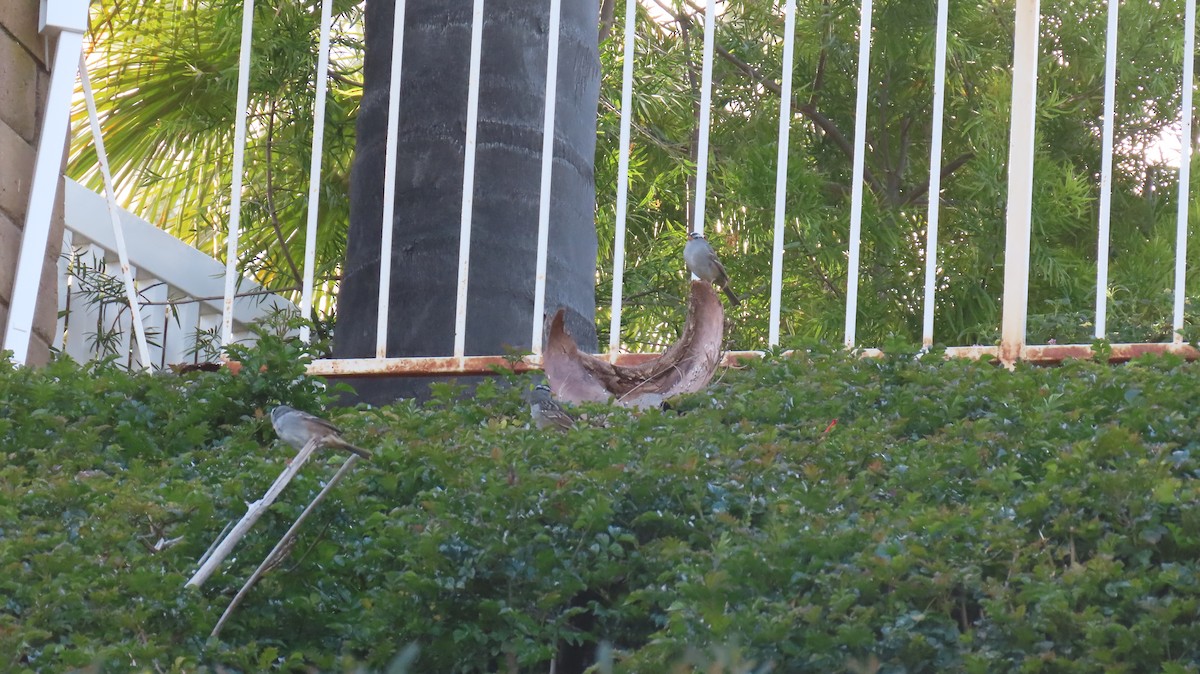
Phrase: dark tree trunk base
(432, 130)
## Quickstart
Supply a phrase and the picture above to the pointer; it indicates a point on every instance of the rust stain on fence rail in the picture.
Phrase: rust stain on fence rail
(419, 367)
(1050, 354)
(1044, 354)
(468, 365)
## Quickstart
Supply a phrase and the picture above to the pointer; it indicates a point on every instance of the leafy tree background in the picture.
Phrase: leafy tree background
(166, 74)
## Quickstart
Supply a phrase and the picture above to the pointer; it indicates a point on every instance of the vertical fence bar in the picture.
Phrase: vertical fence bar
(1106, 159)
(114, 216)
(935, 174)
(206, 349)
(65, 257)
(154, 314)
(1020, 181)
(614, 328)
(180, 335)
(389, 182)
(239, 158)
(314, 167)
(84, 321)
(468, 195)
(43, 191)
(1185, 167)
(710, 33)
(543, 236)
(120, 321)
(856, 189)
(785, 127)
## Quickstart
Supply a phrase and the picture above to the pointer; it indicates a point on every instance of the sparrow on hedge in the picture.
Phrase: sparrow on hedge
(545, 412)
(702, 261)
(296, 428)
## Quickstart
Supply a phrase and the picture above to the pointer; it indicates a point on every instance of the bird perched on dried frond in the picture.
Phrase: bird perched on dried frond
(702, 261)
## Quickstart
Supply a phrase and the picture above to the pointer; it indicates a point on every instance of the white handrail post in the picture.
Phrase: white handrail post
(614, 329)
(114, 216)
(543, 236)
(1185, 168)
(1106, 159)
(69, 19)
(710, 33)
(389, 181)
(468, 195)
(239, 158)
(1020, 181)
(785, 126)
(321, 78)
(856, 189)
(935, 174)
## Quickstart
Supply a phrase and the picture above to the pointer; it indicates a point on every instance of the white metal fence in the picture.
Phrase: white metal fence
(1019, 199)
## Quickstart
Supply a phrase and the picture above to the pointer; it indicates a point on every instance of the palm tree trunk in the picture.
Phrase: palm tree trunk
(432, 128)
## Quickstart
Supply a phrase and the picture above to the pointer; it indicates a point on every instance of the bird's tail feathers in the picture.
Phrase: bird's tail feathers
(733, 298)
(342, 444)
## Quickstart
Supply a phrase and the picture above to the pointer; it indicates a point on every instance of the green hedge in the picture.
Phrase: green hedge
(956, 517)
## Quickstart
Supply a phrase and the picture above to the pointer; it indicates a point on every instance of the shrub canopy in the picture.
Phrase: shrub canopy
(818, 512)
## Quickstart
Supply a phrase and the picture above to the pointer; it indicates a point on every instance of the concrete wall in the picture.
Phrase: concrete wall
(24, 80)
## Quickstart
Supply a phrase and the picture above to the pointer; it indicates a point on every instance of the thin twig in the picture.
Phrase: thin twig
(607, 18)
(809, 110)
(252, 293)
(287, 539)
(950, 167)
(254, 512)
(316, 541)
(283, 244)
(664, 143)
(694, 145)
(646, 293)
(343, 79)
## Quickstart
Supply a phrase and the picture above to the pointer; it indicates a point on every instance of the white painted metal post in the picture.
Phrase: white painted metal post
(1106, 159)
(1185, 166)
(239, 158)
(614, 328)
(180, 332)
(543, 237)
(114, 216)
(119, 320)
(208, 324)
(85, 316)
(64, 289)
(321, 79)
(856, 189)
(935, 174)
(468, 195)
(69, 19)
(154, 314)
(785, 127)
(1020, 181)
(389, 182)
(710, 33)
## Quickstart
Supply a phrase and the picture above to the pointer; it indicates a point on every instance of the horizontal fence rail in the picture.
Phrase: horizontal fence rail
(155, 267)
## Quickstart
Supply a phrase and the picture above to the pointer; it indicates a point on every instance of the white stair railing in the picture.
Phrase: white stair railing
(180, 291)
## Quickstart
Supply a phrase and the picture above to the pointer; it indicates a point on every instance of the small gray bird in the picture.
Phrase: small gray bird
(702, 261)
(547, 413)
(296, 428)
